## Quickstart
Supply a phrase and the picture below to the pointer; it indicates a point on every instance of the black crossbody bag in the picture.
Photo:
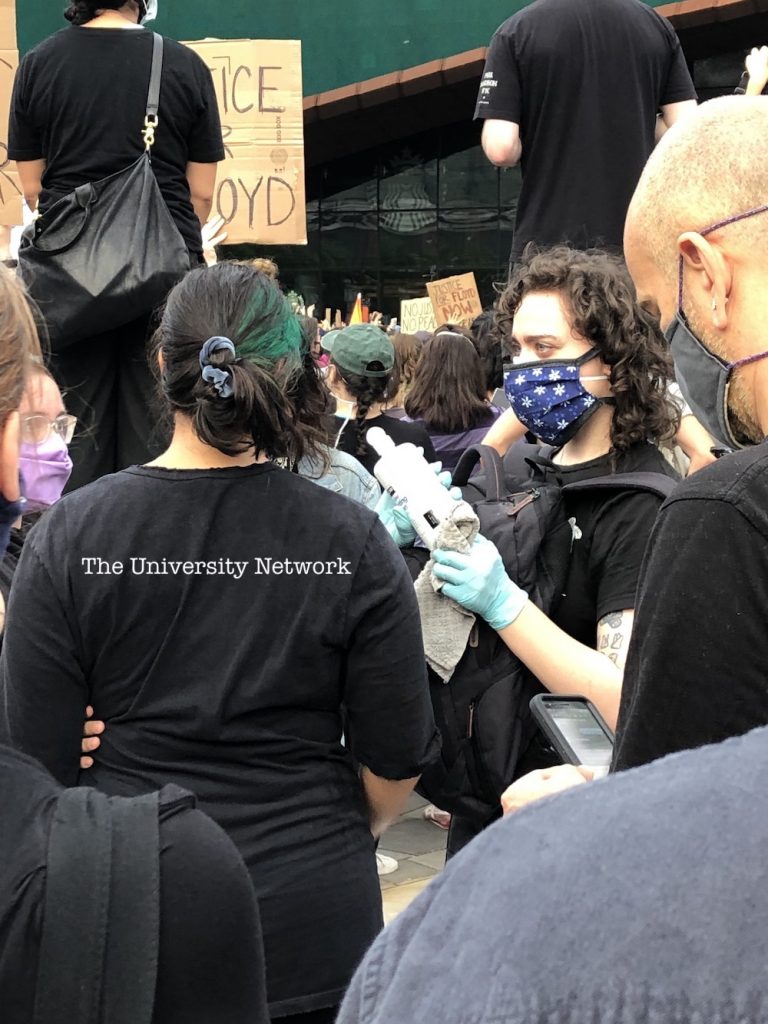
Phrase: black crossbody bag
(108, 252)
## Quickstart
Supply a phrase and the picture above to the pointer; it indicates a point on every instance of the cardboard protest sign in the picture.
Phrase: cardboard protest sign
(455, 300)
(260, 189)
(11, 198)
(8, 25)
(417, 315)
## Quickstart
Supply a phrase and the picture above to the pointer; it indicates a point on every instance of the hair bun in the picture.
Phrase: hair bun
(81, 11)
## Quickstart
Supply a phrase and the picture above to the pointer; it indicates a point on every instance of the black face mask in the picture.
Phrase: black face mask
(703, 377)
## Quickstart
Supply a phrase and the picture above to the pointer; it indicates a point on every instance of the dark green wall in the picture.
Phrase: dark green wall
(344, 40)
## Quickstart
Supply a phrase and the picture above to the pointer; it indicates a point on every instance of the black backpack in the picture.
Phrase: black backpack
(101, 925)
(488, 734)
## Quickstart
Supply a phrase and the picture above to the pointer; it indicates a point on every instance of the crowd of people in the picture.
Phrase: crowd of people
(229, 656)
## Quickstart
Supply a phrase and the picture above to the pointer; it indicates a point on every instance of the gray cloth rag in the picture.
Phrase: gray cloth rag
(445, 625)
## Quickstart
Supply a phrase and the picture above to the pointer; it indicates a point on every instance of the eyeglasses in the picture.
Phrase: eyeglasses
(36, 428)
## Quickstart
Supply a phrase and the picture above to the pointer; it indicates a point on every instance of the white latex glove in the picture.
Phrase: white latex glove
(212, 236)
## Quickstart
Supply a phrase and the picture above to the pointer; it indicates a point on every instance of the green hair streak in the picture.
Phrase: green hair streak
(282, 341)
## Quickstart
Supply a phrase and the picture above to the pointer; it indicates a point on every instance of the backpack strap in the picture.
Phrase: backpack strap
(493, 466)
(133, 936)
(99, 945)
(655, 483)
(524, 460)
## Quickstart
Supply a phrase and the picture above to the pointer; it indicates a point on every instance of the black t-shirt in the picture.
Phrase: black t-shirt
(584, 80)
(79, 103)
(272, 605)
(615, 527)
(210, 957)
(697, 670)
(400, 432)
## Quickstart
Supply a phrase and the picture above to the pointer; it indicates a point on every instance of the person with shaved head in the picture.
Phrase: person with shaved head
(696, 243)
(641, 898)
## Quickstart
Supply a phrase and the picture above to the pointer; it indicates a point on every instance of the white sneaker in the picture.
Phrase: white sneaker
(385, 865)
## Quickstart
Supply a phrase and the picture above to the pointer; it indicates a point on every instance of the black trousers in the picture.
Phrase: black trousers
(108, 384)
(462, 831)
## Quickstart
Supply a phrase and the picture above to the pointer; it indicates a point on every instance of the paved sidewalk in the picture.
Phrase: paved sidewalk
(419, 848)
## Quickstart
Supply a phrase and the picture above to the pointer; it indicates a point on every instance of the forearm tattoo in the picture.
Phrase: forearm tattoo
(612, 634)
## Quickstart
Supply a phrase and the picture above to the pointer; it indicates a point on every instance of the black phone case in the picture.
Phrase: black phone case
(538, 707)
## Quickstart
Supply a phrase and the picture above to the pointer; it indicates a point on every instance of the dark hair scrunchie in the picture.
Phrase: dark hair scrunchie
(220, 378)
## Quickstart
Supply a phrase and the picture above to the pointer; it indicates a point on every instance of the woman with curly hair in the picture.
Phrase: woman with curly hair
(590, 380)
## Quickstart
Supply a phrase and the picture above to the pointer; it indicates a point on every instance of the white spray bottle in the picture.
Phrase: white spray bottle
(404, 472)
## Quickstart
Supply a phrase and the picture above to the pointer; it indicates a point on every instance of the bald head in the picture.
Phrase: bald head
(706, 168)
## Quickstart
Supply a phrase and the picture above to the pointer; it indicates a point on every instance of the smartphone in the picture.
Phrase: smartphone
(575, 728)
(499, 399)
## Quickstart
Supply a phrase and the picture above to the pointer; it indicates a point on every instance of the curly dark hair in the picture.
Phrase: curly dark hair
(488, 347)
(602, 306)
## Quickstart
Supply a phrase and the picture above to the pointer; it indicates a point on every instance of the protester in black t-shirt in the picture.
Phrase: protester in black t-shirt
(77, 114)
(360, 378)
(219, 612)
(571, 90)
(590, 381)
(695, 671)
(209, 956)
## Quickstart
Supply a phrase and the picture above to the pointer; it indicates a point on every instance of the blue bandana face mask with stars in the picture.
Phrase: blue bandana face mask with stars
(549, 398)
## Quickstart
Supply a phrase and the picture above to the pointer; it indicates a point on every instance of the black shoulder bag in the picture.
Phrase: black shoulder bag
(108, 252)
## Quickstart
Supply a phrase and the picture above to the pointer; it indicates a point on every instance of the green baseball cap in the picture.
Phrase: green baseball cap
(356, 348)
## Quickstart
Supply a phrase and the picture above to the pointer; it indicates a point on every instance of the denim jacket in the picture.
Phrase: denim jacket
(345, 475)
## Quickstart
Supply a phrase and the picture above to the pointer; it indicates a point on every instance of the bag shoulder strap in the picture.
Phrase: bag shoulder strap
(655, 483)
(155, 76)
(99, 946)
(151, 119)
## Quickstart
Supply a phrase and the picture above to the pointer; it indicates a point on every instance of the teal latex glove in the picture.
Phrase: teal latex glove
(394, 515)
(395, 519)
(479, 582)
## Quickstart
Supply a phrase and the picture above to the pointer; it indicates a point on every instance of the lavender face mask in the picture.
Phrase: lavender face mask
(45, 470)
